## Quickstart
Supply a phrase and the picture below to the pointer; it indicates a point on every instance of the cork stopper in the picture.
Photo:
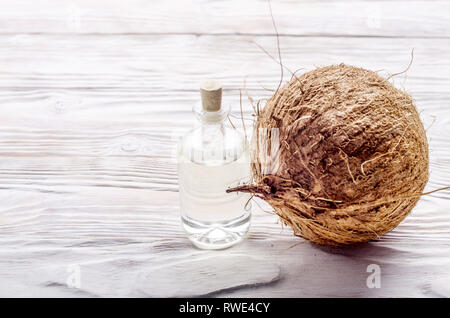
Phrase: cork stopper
(211, 92)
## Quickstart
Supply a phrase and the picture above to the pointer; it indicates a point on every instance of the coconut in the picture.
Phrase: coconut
(340, 154)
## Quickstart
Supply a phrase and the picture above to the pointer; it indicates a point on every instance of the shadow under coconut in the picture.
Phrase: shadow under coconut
(324, 271)
(368, 250)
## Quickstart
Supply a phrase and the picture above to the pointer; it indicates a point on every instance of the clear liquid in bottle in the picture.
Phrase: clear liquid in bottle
(211, 159)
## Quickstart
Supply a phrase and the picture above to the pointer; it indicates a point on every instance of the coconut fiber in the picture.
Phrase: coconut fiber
(340, 154)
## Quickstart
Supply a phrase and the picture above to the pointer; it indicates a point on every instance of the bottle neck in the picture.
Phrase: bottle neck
(213, 131)
(212, 124)
(210, 117)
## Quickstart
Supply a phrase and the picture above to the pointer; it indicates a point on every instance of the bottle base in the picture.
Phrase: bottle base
(216, 236)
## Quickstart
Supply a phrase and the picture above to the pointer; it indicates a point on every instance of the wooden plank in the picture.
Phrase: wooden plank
(300, 18)
(163, 66)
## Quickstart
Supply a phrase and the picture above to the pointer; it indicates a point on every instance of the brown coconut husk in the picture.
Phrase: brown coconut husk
(349, 155)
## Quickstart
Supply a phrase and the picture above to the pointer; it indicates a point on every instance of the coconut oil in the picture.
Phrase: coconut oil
(211, 159)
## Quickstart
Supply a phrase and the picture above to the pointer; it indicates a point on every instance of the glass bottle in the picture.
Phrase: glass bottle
(211, 159)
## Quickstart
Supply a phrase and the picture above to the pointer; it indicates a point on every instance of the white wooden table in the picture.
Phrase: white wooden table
(93, 95)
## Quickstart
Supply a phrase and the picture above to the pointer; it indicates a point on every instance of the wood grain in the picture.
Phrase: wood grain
(87, 138)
